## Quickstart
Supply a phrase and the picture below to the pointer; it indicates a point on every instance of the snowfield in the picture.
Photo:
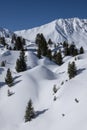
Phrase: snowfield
(37, 83)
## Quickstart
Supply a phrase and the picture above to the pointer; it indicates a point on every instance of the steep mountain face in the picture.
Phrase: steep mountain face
(73, 30)
(5, 33)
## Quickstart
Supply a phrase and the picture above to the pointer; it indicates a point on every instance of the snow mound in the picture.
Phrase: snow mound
(10, 58)
(41, 72)
(48, 64)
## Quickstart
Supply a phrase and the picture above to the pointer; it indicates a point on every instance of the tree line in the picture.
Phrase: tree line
(56, 56)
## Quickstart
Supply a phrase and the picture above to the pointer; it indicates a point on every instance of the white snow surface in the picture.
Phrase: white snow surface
(72, 30)
(37, 83)
(5, 32)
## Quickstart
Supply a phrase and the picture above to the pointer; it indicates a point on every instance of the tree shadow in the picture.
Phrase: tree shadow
(2, 84)
(38, 113)
(33, 50)
(7, 53)
(80, 71)
(16, 82)
(16, 77)
(1, 70)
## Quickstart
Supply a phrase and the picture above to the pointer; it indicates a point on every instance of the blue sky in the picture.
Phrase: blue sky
(25, 14)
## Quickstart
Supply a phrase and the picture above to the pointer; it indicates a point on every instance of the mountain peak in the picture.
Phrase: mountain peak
(5, 32)
(59, 30)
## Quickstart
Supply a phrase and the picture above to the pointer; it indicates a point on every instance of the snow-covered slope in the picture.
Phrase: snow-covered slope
(5, 32)
(73, 30)
(37, 82)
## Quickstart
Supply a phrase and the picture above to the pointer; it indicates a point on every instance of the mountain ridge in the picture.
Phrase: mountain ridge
(5, 32)
(72, 30)
(59, 30)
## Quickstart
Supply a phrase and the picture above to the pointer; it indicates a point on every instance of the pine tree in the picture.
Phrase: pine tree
(3, 64)
(13, 40)
(75, 52)
(49, 54)
(19, 43)
(54, 55)
(65, 44)
(42, 44)
(9, 78)
(18, 65)
(72, 70)
(29, 114)
(59, 58)
(2, 41)
(81, 50)
(39, 53)
(50, 42)
(38, 38)
(21, 62)
(66, 51)
(71, 49)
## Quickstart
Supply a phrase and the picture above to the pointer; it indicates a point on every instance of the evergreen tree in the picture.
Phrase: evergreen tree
(66, 51)
(13, 40)
(3, 64)
(75, 52)
(38, 38)
(54, 55)
(72, 70)
(21, 62)
(49, 54)
(81, 50)
(71, 49)
(19, 43)
(39, 53)
(2, 41)
(18, 65)
(50, 42)
(10, 48)
(42, 44)
(65, 44)
(9, 78)
(59, 58)
(29, 114)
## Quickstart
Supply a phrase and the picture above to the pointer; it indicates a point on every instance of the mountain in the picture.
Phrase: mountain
(5, 32)
(72, 30)
(64, 110)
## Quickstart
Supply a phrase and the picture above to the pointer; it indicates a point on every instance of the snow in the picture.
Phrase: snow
(5, 32)
(37, 83)
(72, 30)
